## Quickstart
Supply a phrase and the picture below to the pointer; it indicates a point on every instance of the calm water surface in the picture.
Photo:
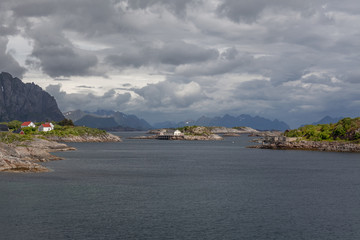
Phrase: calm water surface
(149, 189)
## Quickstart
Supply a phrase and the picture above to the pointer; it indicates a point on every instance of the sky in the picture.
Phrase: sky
(292, 60)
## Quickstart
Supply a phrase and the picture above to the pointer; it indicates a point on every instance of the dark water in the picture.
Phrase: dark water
(148, 189)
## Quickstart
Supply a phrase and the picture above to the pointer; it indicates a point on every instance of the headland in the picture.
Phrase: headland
(23, 151)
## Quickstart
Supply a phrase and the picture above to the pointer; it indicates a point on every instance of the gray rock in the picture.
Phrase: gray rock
(26, 102)
(24, 157)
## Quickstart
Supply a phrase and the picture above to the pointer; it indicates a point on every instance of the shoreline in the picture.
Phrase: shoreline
(212, 137)
(24, 157)
(283, 143)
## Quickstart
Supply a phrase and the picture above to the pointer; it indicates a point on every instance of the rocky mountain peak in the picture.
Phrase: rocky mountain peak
(25, 101)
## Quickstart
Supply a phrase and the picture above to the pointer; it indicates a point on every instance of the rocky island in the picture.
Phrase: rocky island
(23, 152)
(200, 133)
(343, 136)
(189, 133)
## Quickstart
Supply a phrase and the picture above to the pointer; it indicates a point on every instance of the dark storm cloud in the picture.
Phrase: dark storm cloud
(34, 9)
(7, 61)
(353, 77)
(176, 53)
(8, 27)
(71, 101)
(175, 6)
(57, 55)
(8, 24)
(249, 11)
(230, 61)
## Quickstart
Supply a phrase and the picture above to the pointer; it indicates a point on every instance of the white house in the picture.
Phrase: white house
(178, 133)
(27, 124)
(46, 127)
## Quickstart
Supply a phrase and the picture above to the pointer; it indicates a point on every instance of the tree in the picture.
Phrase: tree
(66, 122)
(14, 125)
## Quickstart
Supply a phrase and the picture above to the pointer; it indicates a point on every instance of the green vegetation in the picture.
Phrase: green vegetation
(8, 137)
(66, 122)
(65, 131)
(13, 125)
(195, 130)
(64, 128)
(239, 128)
(347, 129)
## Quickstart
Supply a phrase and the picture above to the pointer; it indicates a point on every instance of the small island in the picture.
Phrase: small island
(343, 136)
(24, 145)
(192, 133)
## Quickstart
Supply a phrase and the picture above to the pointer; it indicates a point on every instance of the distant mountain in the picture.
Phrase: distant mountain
(107, 120)
(96, 122)
(75, 115)
(227, 120)
(166, 124)
(26, 102)
(327, 120)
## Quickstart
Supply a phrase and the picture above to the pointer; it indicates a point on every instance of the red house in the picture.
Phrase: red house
(27, 124)
(46, 127)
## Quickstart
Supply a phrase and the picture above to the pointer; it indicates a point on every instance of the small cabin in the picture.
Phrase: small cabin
(169, 132)
(46, 127)
(28, 124)
(177, 133)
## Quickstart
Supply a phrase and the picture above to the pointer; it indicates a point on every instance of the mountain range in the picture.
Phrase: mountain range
(326, 120)
(108, 120)
(227, 120)
(26, 101)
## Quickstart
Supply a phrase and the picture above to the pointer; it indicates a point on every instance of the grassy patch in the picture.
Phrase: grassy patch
(347, 129)
(8, 137)
(195, 130)
(59, 131)
(65, 131)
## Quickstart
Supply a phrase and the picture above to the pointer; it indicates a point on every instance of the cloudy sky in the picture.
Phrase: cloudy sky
(294, 60)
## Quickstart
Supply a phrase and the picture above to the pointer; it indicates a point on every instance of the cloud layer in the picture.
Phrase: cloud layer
(292, 60)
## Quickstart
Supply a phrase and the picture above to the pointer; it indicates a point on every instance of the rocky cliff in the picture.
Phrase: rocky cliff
(26, 102)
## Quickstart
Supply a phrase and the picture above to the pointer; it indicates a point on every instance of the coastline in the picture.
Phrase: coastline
(108, 137)
(283, 143)
(212, 137)
(26, 156)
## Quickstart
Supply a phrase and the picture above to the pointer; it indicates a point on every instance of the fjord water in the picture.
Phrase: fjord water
(149, 189)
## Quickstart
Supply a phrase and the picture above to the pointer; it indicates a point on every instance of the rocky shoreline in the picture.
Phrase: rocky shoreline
(216, 130)
(283, 143)
(108, 137)
(211, 137)
(25, 156)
